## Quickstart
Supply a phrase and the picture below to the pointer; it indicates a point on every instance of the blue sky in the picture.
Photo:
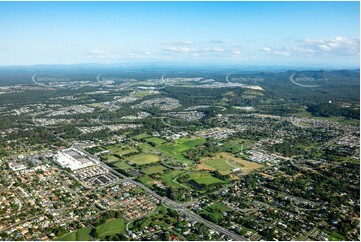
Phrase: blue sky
(244, 33)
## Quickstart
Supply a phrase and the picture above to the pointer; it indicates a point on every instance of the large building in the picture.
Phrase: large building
(74, 159)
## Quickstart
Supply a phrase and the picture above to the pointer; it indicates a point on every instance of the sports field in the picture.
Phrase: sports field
(144, 158)
(111, 227)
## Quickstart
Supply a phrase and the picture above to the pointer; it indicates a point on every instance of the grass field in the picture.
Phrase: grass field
(220, 164)
(111, 158)
(178, 146)
(123, 165)
(148, 148)
(168, 178)
(247, 166)
(204, 178)
(68, 237)
(96, 105)
(184, 144)
(121, 149)
(111, 227)
(226, 162)
(236, 146)
(153, 169)
(144, 158)
(141, 136)
(146, 180)
(155, 140)
(79, 235)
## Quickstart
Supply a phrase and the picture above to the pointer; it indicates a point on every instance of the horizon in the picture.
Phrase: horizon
(292, 34)
(179, 65)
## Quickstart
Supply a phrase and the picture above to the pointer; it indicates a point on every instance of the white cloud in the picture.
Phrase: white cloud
(186, 49)
(236, 52)
(281, 53)
(97, 52)
(215, 49)
(266, 49)
(179, 49)
(335, 46)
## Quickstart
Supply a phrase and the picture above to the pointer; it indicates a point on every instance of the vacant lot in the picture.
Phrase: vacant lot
(111, 227)
(144, 158)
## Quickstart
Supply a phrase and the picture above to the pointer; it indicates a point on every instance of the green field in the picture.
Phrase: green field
(121, 149)
(79, 235)
(141, 159)
(110, 158)
(123, 165)
(168, 178)
(184, 144)
(155, 140)
(180, 145)
(235, 146)
(221, 165)
(111, 227)
(141, 136)
(146, 180)
(154, 169)
(96, 105)
(204, 178)
(334, 236)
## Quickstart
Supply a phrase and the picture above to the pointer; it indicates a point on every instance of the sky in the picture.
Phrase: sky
(225, 33)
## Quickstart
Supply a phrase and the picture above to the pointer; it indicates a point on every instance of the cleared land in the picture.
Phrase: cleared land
(142, 159)
(111, 227)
